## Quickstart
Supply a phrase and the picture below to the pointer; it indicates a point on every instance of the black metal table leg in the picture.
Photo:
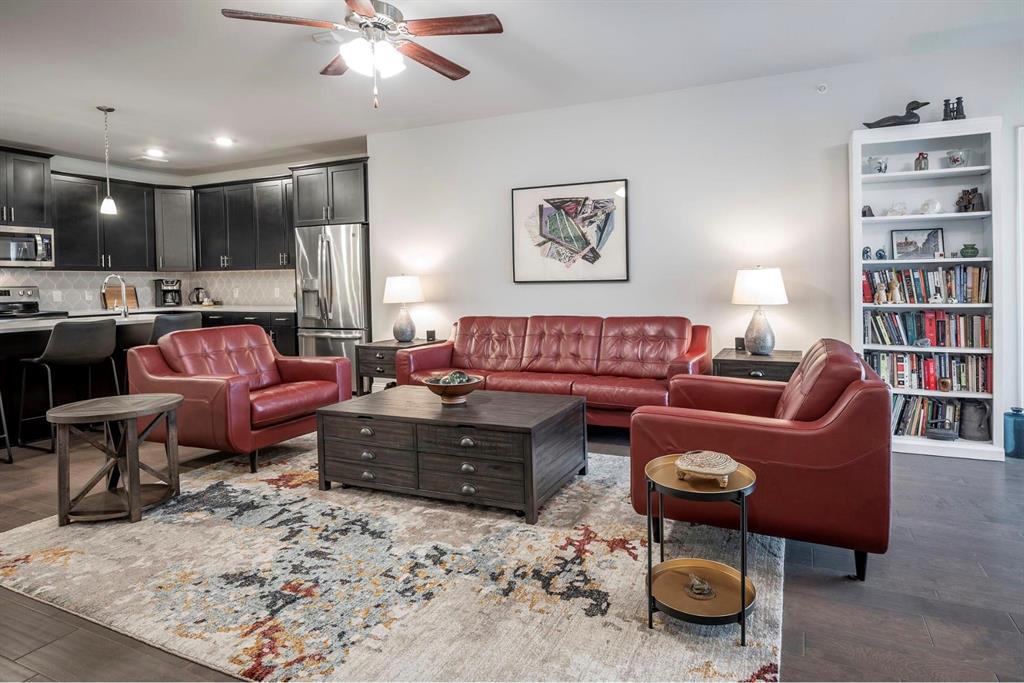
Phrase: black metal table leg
(650, 569)
(661, 524)
(743, 570)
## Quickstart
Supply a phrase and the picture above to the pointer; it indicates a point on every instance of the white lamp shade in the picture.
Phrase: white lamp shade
(759, 287)
(403, 289)
(108, 206)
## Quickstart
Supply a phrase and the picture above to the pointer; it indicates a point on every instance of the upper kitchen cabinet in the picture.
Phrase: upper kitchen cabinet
(175, 248)
(211, 229)
(226, 228)
(273, 220)
(78, 234)
(241, 227)
(25, 190)
(128, 236)
(330, 194)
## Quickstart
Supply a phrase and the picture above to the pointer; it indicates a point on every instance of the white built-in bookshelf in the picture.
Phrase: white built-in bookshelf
(973, 325)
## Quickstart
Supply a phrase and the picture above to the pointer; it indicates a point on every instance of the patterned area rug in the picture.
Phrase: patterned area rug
(266, 577)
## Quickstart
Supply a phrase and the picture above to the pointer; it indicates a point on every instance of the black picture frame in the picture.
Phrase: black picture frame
(625, 231)
(926, 232)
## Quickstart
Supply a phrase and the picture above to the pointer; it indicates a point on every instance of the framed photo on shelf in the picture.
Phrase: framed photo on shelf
(917, 244)
(570, 233)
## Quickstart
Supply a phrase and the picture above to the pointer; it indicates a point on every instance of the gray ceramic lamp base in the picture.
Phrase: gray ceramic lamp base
(759, 339)
(404, 328)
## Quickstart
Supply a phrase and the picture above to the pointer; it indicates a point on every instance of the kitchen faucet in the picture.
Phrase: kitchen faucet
(124, 293)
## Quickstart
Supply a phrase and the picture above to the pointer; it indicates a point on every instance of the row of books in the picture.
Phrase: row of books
(963, 284)
(940, 328)
(935, 372)
(912, 414)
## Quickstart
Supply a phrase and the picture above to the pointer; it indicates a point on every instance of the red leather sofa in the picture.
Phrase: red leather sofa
(819, 445)
(617, 364)
(240, 393)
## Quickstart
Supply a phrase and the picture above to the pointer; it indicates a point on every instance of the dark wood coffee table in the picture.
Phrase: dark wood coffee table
(501, 448)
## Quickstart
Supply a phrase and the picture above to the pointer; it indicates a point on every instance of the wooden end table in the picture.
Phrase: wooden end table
(121, 436)
(778, 366)
(668, 582)
(377, 359)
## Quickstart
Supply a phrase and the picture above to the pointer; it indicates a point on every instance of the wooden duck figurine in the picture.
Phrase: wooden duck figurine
(904, 119)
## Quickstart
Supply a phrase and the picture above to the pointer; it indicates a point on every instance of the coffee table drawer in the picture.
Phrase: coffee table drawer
(371, 431)
(470, 441)
(350, 452)
(472, 487)
(369, 474)
(452, 465)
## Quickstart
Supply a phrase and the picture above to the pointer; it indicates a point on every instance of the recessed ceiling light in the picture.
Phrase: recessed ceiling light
(224, 141)
(155, 152)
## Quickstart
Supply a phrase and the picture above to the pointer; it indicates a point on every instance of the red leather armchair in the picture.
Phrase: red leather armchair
(819, 444)
(240, 393)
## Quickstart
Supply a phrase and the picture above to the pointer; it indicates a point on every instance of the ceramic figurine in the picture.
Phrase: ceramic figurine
(880, 254)
(970, 200)
(897, 209)
(969, 250)
(910, 116)
(935, 298)
(866, 212)
(921, 162)
(878, 164)
(880, 297)
(931, 206)
(894, 292)
(865, 253)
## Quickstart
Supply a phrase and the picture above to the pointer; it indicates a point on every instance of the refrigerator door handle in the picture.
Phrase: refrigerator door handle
(329, 253)
(320, 261)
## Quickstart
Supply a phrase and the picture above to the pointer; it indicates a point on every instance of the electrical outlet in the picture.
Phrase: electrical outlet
(234, 293)
(277, 292)
(58, 296)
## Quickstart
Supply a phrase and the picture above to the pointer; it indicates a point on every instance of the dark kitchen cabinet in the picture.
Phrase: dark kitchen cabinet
(78, 233)
(289, 237)
(175, 249)
(280, 326)
(211, 229)
(272, 224)
(330, 194)
(129, 235)
(241, 227)
(25, 190)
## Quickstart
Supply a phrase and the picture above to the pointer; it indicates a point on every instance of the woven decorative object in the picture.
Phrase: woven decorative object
(705, 465)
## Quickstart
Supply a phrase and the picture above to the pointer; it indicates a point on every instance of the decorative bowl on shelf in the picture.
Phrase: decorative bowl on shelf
(958, 157)
(454, 386)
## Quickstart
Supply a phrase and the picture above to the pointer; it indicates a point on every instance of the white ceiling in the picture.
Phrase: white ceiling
(179, 73)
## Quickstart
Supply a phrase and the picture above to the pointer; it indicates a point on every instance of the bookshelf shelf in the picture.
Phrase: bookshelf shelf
(925, 217)
(934, 174)
(994, 363)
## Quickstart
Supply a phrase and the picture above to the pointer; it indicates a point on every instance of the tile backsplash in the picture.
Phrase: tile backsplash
(76, 291)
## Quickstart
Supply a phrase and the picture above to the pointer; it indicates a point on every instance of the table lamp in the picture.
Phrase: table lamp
(403, 289)
(759, 287)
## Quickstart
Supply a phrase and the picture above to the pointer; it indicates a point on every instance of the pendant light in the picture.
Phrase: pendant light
(108, 206)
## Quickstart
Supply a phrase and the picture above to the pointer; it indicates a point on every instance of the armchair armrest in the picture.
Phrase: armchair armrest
(408, 361)
(323, 368)
(725, 394)
(697, 359)
(216, 411)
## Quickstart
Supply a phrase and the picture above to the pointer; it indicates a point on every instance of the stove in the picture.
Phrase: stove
(21, 302)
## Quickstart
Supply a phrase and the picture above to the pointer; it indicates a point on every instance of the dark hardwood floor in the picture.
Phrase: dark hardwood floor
(945, 603)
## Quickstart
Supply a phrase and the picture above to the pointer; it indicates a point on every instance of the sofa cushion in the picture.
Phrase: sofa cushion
(283, 402)
(233, 350)
(489, 343)
(621, 393)
(562, 343)
(642, 346)
(418, 376)
(825, 371)
(534, 382)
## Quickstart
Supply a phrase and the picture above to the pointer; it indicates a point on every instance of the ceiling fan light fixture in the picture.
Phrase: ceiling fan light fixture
(364, 57)
(389, 61)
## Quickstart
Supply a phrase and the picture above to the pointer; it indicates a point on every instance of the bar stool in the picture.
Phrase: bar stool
(72, 344)
(172, 322)
(6, 434)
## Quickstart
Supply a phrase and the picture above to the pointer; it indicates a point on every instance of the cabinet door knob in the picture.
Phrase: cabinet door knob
(366, 431)
(467, 468)
(379, 355)
(757, 373)
(469, 489)
(368, 476)
(467, 442)
(378, 369)
(367, 455)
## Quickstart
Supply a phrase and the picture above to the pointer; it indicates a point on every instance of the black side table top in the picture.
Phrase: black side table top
(395, 344)
(776, 356)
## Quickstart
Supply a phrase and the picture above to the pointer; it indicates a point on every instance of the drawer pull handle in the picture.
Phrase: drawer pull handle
(368, 476)
(467, 468)
(378, 369)
(367, 455)
(469, 489)
(757, 373)
(366, 431)
(379, 355)
(467, 442)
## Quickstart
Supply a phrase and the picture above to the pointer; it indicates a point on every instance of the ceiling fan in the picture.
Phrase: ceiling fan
(383, 37)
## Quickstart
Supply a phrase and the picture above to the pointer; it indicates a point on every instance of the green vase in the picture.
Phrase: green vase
(969, 250)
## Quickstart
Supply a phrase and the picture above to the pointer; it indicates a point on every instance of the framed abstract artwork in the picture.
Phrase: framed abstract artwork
(570, 233)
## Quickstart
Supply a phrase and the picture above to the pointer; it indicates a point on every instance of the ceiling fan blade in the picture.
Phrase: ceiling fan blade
(363, 8)
(335, 67)
(277, 19)
(454, 26)
(432, 60)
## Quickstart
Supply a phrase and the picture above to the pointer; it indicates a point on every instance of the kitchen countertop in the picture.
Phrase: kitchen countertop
(36, 324)
(256, 308)
(138, 316)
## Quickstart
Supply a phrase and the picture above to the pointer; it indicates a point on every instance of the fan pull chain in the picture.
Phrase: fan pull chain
(376, 93)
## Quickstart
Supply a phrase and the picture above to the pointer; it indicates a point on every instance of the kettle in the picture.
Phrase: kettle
(974, 421)
(197, 296)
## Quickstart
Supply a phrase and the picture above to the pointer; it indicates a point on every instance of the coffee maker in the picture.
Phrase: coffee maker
(168, 292)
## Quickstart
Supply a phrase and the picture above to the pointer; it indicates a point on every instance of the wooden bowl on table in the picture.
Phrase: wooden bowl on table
(453, 392)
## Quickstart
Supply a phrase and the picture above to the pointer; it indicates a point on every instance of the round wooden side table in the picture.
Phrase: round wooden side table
(121, 436)
(691, 589)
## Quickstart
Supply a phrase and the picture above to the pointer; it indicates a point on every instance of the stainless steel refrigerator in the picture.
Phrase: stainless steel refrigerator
(332, 282)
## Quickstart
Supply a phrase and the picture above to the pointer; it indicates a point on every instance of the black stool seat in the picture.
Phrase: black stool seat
(172, 322)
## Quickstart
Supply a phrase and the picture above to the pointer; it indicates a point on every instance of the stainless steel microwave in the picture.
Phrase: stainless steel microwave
(26, 247)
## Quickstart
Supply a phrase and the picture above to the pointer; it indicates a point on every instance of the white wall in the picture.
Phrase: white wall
(720, 177)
